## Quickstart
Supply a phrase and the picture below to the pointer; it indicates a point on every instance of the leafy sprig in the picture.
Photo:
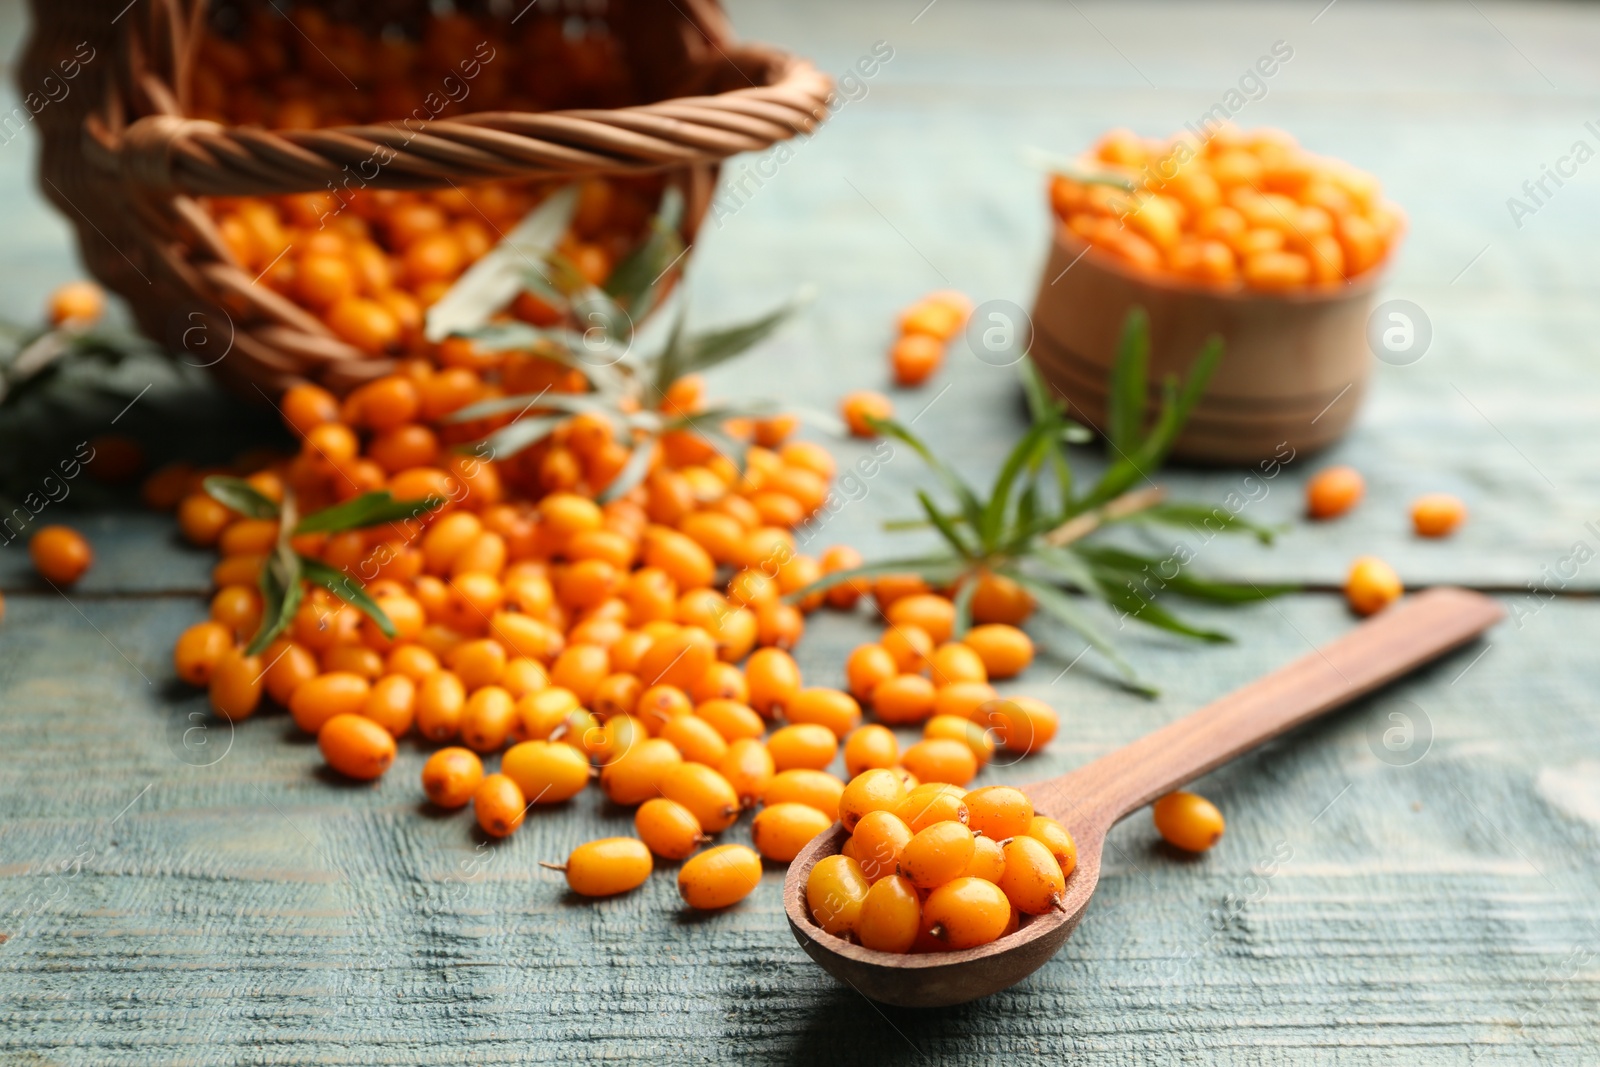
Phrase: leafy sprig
(596, 335)
(285, 572)
(1032, 524)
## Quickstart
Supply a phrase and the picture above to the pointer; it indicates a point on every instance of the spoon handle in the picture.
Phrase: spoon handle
(1392, 643)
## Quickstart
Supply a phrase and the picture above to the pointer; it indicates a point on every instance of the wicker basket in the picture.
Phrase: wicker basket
(124, 162)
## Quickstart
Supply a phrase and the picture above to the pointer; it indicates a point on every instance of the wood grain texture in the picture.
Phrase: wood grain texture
(1433, 904)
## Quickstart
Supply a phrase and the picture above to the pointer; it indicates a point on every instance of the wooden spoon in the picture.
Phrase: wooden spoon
(1093, 798)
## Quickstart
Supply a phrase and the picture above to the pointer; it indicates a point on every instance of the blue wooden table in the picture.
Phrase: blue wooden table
(175, 891)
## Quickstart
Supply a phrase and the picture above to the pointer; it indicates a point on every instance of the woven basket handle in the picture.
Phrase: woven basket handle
(166, 152)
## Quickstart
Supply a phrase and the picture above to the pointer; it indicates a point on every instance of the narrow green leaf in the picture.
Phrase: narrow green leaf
(936, 570)
(349, 590)
(282, 590)
(368, 509)
(1172, 578)
(632, 473)
(513, 438)
(1061, 607)
(494, 280)
(1147, 611)
(963, 605)
(1176, 411)
(240, 496)
(946, 528)
(1028, 448)
(971, 509)
(1067, 565)
(702, 351)
(1205, 517)
(669, 362)
(1126, 402)
(634, 282)
(572, 403)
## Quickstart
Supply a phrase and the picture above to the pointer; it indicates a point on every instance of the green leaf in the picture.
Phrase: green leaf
(702, 351)
(1067, 565)
(1024, 453)
(1128, 396)
(963, 605)
(490, 284)
(282, 590)
(510, 439)
(1062, 608)
(1147, 611)
(971, 510)
(571, 403)
(349, 590)
(668, 363)
(368, 509)
(634, 281)
(1044, 408)
(935, 570)
(632, 473)
(946, 528)
(240, 496)
(1191, 516)
(1180, 583)
(1177, 408)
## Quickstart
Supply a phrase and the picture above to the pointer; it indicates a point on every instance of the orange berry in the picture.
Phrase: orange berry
(236, 684)
(199, 648)
(498, 805)
(870, 747)
(774, 680)
(838, 711)
(60, 554)
(451, 776)
(1372, 585)
(356, 746)
(909, 645)
(857, 408)
(905, 698)
(941, 760)
(1188, 821)
(1021, 724)
(327, 695)
(915, 357)
(1334, 491)
(1005, 650)
(1437, 514)
(79, 303)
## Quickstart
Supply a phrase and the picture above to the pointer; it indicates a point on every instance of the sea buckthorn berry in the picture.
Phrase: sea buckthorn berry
(327, 695)
(487, 719)
(988, 860)
(999, 811)
(1371, 586)
(546, 773)
(660, 704)
(685, 562)
(355, 746)
(1021, 724)
(867, 667)
(1334, 491)
(669, 829)
(1000, 599)
(235, 687)
(392, 704)
(289, 666)
(451, 776)
(637, 774)
(962, 699)
(478, 663)
(965, 913)
(198, 649)
(870, 747)
(202, 519)
(498, 805)
(891, 916)
(860, 407)
(819, 789)
(697, 739)
(1005, 650)
(678, 659)
(617, 694)
(780, 831)
(721, 681)
(617, 737)
(779, 625)
(1187, 821)
(1437, 514)
(1056, 838)
(915, 357)
(79, 303)
(523, 676)
(910, 646)
(608, 866)
(703, 791)
(830, 708)
(747, 765)
(941, 760)
(774, 680)
(731, 719)
(962, 729)
(802, 745)
(835, 892)
(719, 877)
(441, 700)
(905, 698)
(954, 662)
(1032, 879)
(934, 615)
(879, 789)
(60, 554)
(845, 594)
(936, 854)
(879, 839)
(933, 803)
(581, 668)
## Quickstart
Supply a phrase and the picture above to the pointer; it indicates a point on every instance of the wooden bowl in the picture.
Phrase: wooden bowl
(1292, 375)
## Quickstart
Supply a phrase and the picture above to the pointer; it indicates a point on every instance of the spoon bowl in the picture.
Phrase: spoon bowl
(1093, 798)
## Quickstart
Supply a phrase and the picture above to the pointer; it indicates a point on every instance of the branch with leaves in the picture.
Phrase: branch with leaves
(286, 571)
(595, 336)
(1033, 525)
